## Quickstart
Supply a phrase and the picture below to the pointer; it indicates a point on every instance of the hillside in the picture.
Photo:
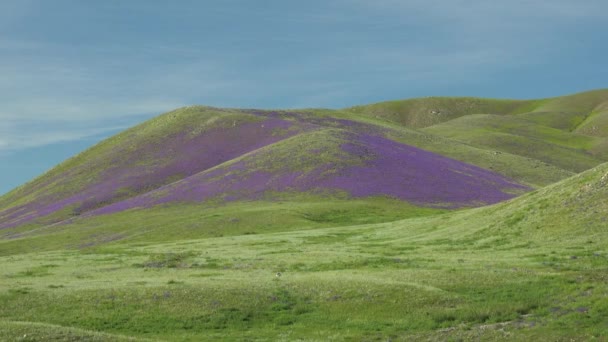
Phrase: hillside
(173, 146)
(168, 158)
(564, 112)
(531, 268)
(516, 135)
(426, 219)
(563, 133)
(471, 152)
(424, 112)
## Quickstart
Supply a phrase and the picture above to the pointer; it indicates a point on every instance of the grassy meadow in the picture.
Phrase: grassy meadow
(533, 268)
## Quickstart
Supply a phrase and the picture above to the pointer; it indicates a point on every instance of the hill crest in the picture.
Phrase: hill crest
(358, 154)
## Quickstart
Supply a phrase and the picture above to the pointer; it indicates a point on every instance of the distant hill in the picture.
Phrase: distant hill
(443, 153)
(565, 112)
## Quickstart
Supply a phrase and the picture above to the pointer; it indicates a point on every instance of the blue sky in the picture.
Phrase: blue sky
(75, 72)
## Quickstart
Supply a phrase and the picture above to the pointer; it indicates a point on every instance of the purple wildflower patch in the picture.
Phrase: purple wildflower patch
(372, 166)
(194, 167)
(156, 164)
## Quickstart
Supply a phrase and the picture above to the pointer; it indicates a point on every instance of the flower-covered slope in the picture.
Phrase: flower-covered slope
(198, 154)
(140, 160)
(339, 163)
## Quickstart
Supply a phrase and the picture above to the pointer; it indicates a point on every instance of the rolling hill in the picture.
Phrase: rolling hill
(425, 219)
(197, 154)
(531, 268)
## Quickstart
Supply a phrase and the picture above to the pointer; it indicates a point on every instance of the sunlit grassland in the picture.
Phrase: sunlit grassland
(512, 134)
(284, 212)
(530, 171)
(533, 268)
(596, 123)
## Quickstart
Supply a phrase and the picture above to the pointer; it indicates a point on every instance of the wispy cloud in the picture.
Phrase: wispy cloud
(134, 59)
(47, 97)
(23, 134)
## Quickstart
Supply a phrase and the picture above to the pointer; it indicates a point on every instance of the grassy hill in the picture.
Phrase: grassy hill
(531, 142)
(427, 219)
(565, 133)
(596, 122)
(516, 135)
(532, 268)
(424, 112)
(564, 112)
(243, 155)
(158, 152)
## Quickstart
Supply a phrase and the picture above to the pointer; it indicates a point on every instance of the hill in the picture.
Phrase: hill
(426, 219)
(564, 133)
(199, 154)
(531, 268)
(564, 112)
(516, 135)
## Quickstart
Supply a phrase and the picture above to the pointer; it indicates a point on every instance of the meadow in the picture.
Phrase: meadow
(515, 270)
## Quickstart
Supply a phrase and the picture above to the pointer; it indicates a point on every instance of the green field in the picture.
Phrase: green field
(535, 267)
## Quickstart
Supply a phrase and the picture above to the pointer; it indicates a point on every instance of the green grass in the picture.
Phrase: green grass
(515, 125)
(584, 102)
(29, 331)
(596, 124)
(285, 212)
(516, 135)
(424, 112)
(565, 121)
(533, 268)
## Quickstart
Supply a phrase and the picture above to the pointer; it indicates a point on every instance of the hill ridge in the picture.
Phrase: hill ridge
(189, 140)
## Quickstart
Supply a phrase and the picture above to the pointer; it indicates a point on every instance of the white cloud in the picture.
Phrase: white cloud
(46, 97)
(25, 124)
(18, 135)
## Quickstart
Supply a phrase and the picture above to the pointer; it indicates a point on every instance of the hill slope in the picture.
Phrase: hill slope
(565, 132)
(564, 112)
(169, 158)
(532, 268)
(516, 135)
(322, 225)
(357, 165)
(163, 150)
(210, 155)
